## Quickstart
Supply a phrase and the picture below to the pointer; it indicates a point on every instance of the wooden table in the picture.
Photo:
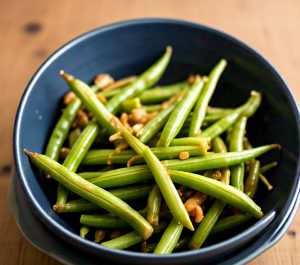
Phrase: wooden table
(31, 30)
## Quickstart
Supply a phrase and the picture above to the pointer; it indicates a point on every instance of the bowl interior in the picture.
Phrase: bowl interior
(127, 49)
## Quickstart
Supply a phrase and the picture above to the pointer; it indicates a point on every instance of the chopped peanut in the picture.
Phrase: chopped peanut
(64, 151)
(103, 80)
(69, 97)
(184, 155)
(99, 235)
(137, 127)
(192, 205)
(82, 118)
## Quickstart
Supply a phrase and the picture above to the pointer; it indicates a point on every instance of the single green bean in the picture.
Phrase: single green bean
(268, 167)
(230, 222)
(62, 127)
(169, 238)
(252, 179)
(153, 206)
(124, 241)
(90, 175)
(103, 221)
(135, 174)
(76, 155)
(161, 93)
(144, 81)
(223, 124)
(89, 191)
(161, 177)
(265, 181)
(236, 144)
(217, 189)
(180, 113)
(203, 142)
(120, 83)
(84, 230)
(204, 98)
(102, 156)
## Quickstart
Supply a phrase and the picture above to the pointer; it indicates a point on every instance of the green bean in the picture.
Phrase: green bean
(76, 155)
(180, 113)
(230, 222)
(217, 189)
(161, 93)
(144, 81)
(103, 221)
(161, 177)
(203, 142)
(153, 206)
(61, 129)
(205, 96)
(130, 193)
(252, 179)
(135, 174)
(89, 191)
(169, 238)
(207, 224)
(223, 124)
(265, 181)
(84, 230)
(236, 144)
(102, 156)
(212, 216)
(90, 101)
(124, 241)
(268, 167)
(130, 104)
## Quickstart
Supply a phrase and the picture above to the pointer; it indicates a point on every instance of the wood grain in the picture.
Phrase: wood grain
(31, 30)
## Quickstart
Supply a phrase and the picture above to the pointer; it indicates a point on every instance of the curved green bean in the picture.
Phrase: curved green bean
(217, 189)
(252, 179)
(204, 98)
(144, 81)
(61, 129)
(89, 191)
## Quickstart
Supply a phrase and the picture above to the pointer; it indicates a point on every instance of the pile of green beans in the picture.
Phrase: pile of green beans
(136, 162)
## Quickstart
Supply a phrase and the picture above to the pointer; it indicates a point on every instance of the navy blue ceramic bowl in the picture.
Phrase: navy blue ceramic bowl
(128, 48)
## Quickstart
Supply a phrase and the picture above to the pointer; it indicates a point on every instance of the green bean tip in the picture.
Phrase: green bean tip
(66, 76)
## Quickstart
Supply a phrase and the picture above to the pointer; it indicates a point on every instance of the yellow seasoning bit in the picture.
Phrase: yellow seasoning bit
(184, 155)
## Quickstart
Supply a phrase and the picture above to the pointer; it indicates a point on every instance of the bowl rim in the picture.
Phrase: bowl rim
(42, 214)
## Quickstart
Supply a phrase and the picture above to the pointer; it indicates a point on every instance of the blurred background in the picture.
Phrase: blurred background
(31, 30)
